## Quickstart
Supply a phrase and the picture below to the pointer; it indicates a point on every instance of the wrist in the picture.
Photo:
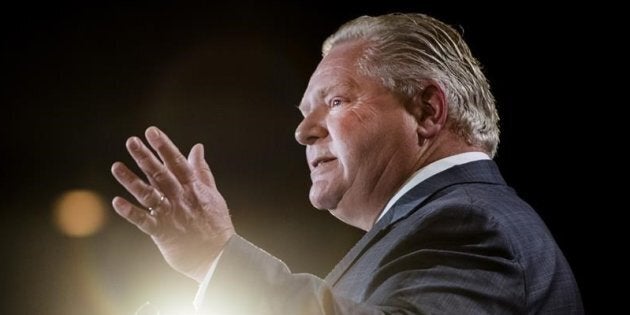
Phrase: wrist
(207, 268)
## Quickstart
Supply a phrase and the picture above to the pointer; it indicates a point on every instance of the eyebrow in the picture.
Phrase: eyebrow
(347, 84)
(322, 92)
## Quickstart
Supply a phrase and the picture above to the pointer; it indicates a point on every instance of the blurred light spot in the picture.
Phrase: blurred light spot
(79, 213)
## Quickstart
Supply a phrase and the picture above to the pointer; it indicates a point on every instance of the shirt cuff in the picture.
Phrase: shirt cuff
(203, 286)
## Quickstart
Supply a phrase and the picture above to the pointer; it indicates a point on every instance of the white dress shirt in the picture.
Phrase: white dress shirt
(430, 170)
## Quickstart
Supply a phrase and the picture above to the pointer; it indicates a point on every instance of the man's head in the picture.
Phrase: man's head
(409, 51)
(391, 94)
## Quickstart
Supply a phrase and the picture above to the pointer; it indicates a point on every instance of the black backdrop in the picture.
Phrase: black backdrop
(79, 78)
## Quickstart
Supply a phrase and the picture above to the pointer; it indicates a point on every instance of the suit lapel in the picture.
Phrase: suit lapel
(357, 250)
(400, 209)
(484, 171)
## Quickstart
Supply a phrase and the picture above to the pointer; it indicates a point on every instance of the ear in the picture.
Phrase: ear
(430, 110)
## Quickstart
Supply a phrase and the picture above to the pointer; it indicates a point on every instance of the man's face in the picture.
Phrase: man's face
(360, 141)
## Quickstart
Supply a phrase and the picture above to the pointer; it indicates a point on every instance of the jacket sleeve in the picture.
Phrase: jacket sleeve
(249, 281)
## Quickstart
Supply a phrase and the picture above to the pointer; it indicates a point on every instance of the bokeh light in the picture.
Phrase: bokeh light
(79, 213)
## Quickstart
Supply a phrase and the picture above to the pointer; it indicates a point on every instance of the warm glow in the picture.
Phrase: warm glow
(79, 213)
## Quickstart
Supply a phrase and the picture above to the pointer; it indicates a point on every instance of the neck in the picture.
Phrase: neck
(372, 203)
(361, 206)
(444, 145)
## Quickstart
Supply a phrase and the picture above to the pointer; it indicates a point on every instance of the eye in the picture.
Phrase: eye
(335, 102)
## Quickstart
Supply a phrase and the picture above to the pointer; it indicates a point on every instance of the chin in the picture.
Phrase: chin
(323, 201)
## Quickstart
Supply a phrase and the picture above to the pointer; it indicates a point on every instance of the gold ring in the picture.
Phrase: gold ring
(153, 210)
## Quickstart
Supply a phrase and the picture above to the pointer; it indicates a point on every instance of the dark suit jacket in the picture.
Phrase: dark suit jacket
(461, 242)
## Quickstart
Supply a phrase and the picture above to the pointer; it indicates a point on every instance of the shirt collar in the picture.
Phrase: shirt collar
(430, 170)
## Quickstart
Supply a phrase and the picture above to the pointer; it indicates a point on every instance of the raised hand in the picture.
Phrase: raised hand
(179, 207)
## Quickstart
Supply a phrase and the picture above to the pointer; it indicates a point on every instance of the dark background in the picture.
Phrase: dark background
(79, 78)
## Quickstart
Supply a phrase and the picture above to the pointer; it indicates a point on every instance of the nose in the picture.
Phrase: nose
(310, 129)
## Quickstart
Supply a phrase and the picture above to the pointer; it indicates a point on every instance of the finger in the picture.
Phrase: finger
(174, 160)
(137, 216)
(200, 166)
(145, 194)
(157, 174)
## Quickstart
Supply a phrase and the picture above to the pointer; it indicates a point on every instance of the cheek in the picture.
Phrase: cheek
(353, 141)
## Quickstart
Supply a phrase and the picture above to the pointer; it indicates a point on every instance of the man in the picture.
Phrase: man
(399, 127)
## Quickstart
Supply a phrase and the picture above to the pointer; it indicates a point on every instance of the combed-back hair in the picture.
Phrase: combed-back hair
(405, 51)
